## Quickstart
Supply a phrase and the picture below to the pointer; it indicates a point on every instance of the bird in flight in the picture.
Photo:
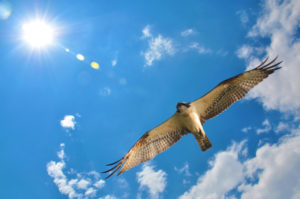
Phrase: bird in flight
(190, 117)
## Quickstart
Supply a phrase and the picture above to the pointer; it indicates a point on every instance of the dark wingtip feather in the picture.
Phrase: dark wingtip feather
(114, 162)
(116, 167)
(262, 63)
(272, 66)
(110, 169)
(269, 67)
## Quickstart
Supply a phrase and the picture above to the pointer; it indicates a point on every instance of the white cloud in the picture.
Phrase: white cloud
(248, 52)
(83, 184)
(68, 122)
(185, 169)
(158, 47)
(282, 126)
(90, 192)
(200, 49)
(146, 31)
(280, 23)
(246, 129)
(73, 184)
(187, 32)
(99, 184)
(244, 52)
(54, 170)
(61, 153)
(266, 127)
(272, 173)
(108, 197)
(226, 173)
(154, 181)
(276, 167)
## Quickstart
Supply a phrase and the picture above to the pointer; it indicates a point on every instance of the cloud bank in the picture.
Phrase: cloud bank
(272, 173)
(279, 22)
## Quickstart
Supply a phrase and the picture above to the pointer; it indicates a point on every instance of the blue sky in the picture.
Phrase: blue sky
(62, 120)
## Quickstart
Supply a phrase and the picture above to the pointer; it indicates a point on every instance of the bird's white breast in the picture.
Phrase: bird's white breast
(191, 121)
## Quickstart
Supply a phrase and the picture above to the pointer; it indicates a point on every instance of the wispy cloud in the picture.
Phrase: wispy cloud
(73, 184)
(146, 32)
(184, 170)
(266, 127)
(199, 48)
(280, 23)
(106, 91)
(108, 197)
(243, 16)
(68, 122)
(222, 52)
(244, 52)
(282, 126)
(153, 181)
(159, 47)
(246, 129)
(248, 52)
(122, 183)
(187, 32)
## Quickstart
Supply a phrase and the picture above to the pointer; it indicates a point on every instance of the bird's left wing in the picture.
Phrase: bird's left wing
(232, 90)
(150, 144)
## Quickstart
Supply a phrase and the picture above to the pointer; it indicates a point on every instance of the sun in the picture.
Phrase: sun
(38, 33)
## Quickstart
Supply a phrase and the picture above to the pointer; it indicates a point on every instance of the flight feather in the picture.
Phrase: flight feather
(233, 89)
(150, 144)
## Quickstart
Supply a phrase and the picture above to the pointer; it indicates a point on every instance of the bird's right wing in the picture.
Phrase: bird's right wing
(232, 90)
(150, 144)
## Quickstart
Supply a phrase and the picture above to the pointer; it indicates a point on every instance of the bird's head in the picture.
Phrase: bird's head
(182, 106)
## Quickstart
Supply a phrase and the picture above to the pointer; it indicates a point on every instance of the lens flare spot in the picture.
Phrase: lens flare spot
(5, 10)
(80, 57)
(95, 65)
(67, 50)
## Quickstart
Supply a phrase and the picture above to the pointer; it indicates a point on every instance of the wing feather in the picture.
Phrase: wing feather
(150, 144)
(232, 90)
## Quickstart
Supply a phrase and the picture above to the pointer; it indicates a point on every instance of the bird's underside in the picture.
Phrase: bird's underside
(190, 117)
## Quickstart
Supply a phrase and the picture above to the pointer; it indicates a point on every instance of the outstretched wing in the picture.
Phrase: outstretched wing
(150, 144)
(232, 90)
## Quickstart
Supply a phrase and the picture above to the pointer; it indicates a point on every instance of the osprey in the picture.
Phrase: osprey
(190, 117)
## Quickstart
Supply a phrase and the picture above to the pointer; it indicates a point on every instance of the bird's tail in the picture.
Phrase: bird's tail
(203, 141)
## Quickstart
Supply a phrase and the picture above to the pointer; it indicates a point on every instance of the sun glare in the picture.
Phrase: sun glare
(38, 33)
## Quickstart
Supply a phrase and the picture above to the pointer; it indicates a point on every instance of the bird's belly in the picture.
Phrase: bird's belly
(192, 122)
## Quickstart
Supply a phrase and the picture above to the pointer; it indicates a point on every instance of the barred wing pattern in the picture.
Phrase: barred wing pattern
(233, 89)
(149, 145)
